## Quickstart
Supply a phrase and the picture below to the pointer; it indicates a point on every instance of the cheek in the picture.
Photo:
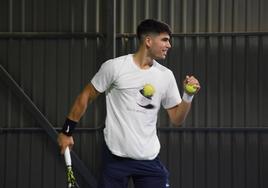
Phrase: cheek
(156, 50)
(158, 46)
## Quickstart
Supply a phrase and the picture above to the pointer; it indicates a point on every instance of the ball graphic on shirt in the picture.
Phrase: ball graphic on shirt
(148, 90)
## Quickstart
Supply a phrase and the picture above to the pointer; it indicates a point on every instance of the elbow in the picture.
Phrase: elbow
(178, 122)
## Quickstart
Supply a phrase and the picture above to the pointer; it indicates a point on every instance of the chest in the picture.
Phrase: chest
(136, 80)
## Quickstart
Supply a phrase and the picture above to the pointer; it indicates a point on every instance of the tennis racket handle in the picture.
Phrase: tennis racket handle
(67, 157)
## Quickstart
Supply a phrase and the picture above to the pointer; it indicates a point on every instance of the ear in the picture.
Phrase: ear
(148, 41)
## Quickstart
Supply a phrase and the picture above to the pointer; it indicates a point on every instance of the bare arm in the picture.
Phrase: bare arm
(178, 113)
(78, 109)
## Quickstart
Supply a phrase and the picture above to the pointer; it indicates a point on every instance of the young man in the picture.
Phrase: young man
(135, 86)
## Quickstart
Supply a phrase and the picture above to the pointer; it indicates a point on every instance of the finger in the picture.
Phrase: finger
(197, 86)
(71, 146)
(63, 148)
(71, 143)
(186, 80)
(192, 82)
(191, 79)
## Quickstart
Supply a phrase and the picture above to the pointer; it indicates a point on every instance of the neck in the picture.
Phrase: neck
(142, 59)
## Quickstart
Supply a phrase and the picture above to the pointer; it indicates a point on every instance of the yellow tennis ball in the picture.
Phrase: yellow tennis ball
(148, 90)
(190, 89)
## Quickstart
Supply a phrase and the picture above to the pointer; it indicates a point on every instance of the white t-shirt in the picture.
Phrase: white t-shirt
(130, 129)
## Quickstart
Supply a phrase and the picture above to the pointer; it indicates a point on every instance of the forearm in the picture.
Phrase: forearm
(178, 113)
(79, 107)
(181, 113)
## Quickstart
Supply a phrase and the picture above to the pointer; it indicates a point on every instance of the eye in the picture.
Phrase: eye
(165, 39)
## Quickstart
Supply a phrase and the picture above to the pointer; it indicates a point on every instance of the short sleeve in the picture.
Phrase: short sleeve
(171, 96)
(104, 78)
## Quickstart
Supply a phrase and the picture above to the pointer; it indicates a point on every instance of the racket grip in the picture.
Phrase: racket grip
(67, 157)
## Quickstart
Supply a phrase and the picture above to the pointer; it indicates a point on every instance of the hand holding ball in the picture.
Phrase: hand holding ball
(190, 89)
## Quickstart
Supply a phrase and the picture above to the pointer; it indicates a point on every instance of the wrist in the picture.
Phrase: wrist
(187, 98)
(68, 127)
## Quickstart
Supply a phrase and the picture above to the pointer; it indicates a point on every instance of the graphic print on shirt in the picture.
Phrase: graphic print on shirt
(145, 95)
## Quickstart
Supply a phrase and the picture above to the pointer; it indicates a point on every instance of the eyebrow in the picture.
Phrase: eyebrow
(165, 38)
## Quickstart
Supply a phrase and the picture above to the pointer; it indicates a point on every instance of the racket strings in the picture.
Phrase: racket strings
(70, 178)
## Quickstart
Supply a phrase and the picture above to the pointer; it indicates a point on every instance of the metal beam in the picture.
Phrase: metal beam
(213, 129)
(110, 28)
(214, 34)
(45, 124)
(111, 33)
(160, 129)
(49, 35)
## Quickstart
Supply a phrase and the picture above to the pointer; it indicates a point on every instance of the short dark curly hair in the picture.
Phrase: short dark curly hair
(152, 26)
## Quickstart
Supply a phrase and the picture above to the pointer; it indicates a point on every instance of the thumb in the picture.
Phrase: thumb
(185, 81)
(63, 148)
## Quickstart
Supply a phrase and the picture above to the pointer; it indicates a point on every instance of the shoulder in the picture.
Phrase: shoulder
(161, 68)
(119, 59)
(115, 62)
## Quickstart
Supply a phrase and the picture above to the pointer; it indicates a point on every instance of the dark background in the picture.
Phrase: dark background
(52, 48)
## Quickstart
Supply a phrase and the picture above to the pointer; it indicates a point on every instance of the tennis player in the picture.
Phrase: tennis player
(136, 86)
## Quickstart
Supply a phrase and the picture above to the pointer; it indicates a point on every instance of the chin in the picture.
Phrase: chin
(160, 57)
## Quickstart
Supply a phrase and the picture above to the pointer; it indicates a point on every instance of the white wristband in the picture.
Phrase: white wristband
(187, 98)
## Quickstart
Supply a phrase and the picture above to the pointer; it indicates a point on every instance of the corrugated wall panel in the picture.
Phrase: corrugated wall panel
(30, 159)
(195, 159)
(263, 112)
(186, 16)
(219, 159)
(52, 73)
(50, 58)
(231, 68)
(30, 165)
(229, 92)
(231, 72)
(50, 15)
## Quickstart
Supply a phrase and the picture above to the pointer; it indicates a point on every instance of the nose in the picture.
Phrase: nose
(168, 44)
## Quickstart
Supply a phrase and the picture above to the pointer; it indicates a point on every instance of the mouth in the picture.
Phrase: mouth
(165, 52)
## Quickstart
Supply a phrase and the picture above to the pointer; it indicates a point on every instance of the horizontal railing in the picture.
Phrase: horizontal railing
(161, 129)
(81, 35)
(203, 34)
(49, 35)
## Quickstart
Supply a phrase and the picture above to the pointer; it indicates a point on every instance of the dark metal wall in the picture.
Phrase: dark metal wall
(195, 158)
(52, 72)
(59, 45)
(231, 69)
(186, 16)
